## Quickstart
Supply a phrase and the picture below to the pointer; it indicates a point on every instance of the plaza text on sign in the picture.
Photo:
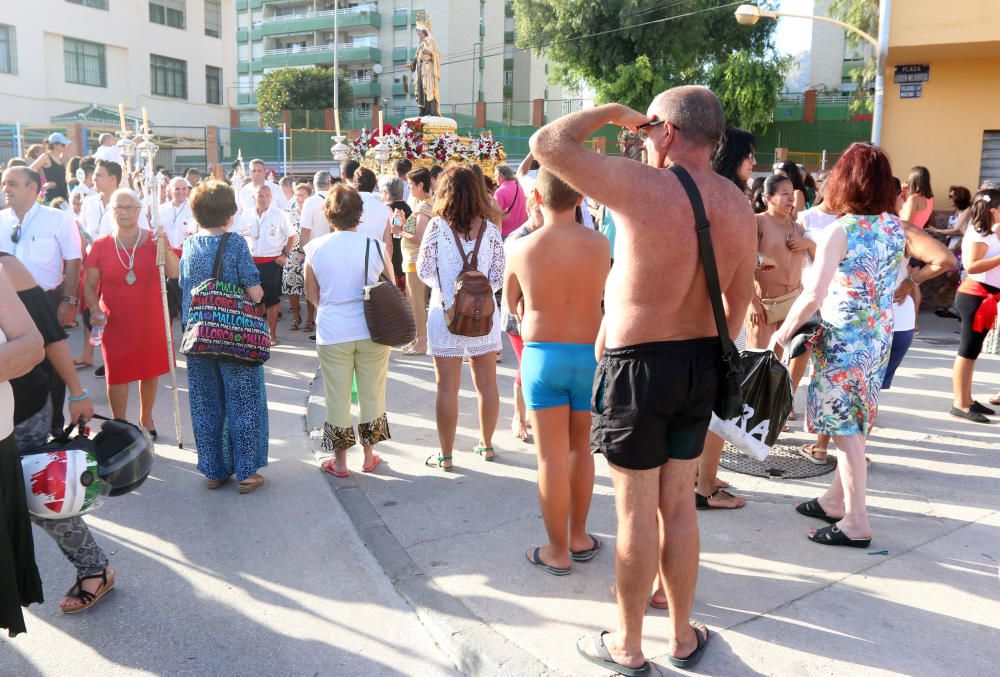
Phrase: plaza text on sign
(912, 74)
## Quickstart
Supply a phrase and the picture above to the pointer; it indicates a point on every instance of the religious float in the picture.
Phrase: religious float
(424, 141)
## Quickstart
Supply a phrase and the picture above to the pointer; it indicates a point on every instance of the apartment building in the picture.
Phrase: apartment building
(831, 57)
(375, 43)
(173, 57)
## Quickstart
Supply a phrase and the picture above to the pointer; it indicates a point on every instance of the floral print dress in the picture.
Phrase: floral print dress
(851, 350)
(292, 281)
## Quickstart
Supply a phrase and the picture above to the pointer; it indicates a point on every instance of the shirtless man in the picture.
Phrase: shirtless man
(561, 316)
(658, 377)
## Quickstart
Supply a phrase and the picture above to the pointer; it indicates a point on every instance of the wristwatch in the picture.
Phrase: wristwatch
(72, 300)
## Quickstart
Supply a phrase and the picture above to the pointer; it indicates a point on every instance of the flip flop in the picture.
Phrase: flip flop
(534, 559)
(613, 591)
(701, 502)
(834, 536)
(327, 466)
(586, 555)
(814, 509)
(375, 461)
(605, 660)
(694, 656)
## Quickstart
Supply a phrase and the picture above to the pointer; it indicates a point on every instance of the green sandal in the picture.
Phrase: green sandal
(439, 462)
(482, 452)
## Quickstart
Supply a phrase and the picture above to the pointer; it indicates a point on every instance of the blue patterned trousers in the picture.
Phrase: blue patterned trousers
(229, 417)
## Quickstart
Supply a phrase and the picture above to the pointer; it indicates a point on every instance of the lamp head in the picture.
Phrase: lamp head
(747, 15)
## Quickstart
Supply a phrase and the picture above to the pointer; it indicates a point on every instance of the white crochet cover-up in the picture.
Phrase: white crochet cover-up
(438, 250)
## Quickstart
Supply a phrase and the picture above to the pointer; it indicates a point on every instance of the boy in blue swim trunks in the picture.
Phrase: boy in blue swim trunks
(554, 284)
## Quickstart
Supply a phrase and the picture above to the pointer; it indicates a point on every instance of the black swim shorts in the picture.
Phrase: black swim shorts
(270, 281)
(652, 402)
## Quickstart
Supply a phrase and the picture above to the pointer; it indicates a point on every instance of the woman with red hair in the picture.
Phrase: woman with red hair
(858, 259)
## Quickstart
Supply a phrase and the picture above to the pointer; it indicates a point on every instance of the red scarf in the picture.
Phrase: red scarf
(986, 316)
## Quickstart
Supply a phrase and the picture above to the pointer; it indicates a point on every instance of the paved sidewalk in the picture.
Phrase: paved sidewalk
(214, 583)
(453, 544)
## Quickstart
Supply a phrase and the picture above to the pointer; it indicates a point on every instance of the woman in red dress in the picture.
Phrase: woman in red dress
(123, 281)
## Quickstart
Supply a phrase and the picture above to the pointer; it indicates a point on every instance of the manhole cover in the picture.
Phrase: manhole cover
(784, 462)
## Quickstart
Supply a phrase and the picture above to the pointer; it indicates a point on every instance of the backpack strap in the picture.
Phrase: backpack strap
(707, 260)
(474, 262)
(461, 250)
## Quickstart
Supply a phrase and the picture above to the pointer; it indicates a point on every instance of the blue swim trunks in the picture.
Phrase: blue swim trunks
(557, 374)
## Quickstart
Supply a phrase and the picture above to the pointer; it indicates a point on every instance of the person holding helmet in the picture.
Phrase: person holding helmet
(32, 413)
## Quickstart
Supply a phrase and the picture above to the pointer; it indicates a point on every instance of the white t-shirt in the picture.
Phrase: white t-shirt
(312, 218)
(84, 190)
(177, 222)
(374, 218)
(815, 221)
(248, 202)
(108, 154)
(48, 238)
(992, 242)
(267, 233)
(338, 262)
(98, 218)
(905, 312)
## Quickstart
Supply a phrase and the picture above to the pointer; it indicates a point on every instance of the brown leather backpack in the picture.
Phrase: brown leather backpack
(472, 312)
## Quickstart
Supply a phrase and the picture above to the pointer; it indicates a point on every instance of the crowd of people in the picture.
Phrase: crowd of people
(613, 356)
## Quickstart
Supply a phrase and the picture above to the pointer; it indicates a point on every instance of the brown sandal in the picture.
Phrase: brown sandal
(250, 484)
(89, 599)
(215, 484)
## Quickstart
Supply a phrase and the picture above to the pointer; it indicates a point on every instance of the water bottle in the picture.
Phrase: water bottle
(96, 336)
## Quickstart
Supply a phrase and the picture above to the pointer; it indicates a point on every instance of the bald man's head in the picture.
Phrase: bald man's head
(695, 111)
(179, 190)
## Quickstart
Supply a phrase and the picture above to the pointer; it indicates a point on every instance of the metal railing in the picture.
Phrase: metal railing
(278, 18)
(297, 49)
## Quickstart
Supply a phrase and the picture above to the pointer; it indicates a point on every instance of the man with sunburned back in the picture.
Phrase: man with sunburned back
(658, 378)
(560, 318)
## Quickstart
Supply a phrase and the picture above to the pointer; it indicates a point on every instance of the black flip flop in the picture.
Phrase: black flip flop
(534, 559)
(587, 555)
(814, 509)
(694, 656)
(607, 662)
(981, 409)
(834, 536)
(701, 502)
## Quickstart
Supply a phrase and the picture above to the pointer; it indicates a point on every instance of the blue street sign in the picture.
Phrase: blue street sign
(910, 91)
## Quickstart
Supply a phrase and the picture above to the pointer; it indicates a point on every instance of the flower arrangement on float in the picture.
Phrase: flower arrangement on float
(426, 142)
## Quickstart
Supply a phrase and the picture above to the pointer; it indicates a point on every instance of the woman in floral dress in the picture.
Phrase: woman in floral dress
(857, 262)
(292, 282)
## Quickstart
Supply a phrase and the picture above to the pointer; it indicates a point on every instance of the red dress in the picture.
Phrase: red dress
(135, 342)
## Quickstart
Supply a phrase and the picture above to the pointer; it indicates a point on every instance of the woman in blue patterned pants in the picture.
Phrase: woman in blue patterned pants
(228, 401)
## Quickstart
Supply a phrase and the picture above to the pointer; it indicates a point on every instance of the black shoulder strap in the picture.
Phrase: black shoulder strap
(364, 274)
(707, 255)
(217, 268)
(378, 248)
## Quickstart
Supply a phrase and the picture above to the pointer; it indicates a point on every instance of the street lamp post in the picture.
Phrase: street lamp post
(749, 15)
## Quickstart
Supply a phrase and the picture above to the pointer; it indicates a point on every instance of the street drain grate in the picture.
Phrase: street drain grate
(784, 462)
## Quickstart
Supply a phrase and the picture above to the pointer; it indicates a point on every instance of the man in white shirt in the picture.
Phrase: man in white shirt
(107, 149)
(96, 215)
(271, 239)
(46, 241)
(375, 218)
(312, 221)
(246, 198)
(175, 214)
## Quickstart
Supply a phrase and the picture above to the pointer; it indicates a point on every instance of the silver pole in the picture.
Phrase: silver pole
(336, 58)
(881, 58)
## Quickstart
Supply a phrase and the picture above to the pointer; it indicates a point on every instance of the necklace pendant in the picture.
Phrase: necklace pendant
(130, 277)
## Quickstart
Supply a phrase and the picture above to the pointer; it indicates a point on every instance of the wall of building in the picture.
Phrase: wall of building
(943, 129)
(39, 91)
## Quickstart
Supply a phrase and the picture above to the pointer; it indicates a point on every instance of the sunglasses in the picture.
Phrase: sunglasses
(641, 129)
(15, 234)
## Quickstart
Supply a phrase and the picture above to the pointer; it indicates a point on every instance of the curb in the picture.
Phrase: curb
(474, 647)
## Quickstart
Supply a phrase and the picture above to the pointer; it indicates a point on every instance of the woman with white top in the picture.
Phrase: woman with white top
(976, 300)
(463, 208)
(338, 266)
(21, 348)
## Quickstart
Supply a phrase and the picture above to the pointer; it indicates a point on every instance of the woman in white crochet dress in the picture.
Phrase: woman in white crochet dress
(462, 207)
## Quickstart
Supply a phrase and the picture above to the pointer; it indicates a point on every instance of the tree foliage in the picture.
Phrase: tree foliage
(299, 88)
(631, 66)
(864, 15)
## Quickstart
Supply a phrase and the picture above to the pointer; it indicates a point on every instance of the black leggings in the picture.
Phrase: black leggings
(971, 343)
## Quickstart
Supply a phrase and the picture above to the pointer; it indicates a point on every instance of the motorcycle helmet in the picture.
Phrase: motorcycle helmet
(71, 477)
(62, 483)
(124, 455)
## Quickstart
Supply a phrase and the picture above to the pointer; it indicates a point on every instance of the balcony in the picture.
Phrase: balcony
(317, 54)
(300, 22)
(508, 90)
(365, 87)
(399, 54)
(246, 99)
(508, 9)
(508, 63)
(508, 37)
(397, 89)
